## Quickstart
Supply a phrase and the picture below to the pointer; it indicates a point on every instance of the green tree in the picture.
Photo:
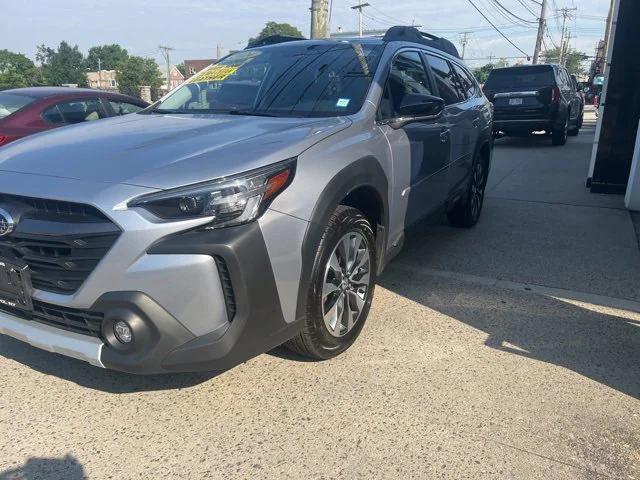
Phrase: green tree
(136, 72)
(63, 65)
(482, 73)
(574, 61)
(108, 56)
(18, 71)
(181, 68)
(274, 28)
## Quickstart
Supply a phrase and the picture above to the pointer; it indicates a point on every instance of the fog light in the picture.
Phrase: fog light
(123, 332)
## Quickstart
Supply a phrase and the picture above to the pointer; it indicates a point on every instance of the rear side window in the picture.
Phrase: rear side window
(446, 80)
(466, 82)
(11, 103)
(520, 78)
(124, 108)
(74, 111)
(407, 76)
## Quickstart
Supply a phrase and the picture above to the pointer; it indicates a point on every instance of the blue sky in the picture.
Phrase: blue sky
(194, 27)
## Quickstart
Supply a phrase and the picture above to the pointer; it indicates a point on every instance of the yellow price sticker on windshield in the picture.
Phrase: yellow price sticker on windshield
(216, 73)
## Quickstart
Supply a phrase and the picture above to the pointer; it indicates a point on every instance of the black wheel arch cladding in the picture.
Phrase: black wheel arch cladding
(365, 172)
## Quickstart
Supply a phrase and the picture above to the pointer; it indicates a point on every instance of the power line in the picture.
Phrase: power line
(393, 19)
(497, 29)
(512, 14)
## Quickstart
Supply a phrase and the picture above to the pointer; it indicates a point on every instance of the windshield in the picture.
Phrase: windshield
(520, 77)
(10, 103)
(297, 79)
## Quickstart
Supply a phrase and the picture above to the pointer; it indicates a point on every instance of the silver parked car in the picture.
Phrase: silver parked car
(253, 206)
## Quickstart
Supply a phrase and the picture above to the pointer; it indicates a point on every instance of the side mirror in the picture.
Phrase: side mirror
(417, 108)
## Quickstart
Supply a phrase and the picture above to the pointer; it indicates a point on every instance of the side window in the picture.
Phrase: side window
(124, 108)
(407, 76)
(446, 80)
(74, 111)
(466, 82)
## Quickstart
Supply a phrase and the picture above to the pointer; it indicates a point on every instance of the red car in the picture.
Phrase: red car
(24, 111)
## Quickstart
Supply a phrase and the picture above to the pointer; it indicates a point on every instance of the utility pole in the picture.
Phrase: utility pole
(99, 74)
(464, 40)
(165, 53)
(542, 23)
(607, 33)
(319, 18)
(359, 7)
(564, 46)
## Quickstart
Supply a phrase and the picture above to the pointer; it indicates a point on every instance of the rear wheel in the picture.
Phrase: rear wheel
(559, 135)
(576, 130)
(466, 211)
(343, 281)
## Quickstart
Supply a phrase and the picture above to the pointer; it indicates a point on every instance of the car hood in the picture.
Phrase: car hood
(165, 151)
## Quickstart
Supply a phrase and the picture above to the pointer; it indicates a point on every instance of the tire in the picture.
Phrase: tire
(576, 129)
(466, 212)
(559, 135)
(321, 338)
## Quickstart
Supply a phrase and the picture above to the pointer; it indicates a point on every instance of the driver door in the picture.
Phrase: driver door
(420, 150)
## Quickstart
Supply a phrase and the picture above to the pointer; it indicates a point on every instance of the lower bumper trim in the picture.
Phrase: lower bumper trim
(51, 339)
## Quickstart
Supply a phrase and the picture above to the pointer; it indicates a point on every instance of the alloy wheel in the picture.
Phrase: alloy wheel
(477, 189)
(346, 284)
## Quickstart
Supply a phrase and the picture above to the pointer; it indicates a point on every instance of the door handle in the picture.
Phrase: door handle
(444, 135)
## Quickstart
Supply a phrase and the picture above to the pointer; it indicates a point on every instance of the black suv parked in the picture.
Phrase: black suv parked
(534, 98)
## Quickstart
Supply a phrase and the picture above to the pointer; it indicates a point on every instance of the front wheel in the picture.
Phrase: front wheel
(341, 291)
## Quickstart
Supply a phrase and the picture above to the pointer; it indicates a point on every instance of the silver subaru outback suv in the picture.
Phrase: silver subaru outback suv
(252, 206)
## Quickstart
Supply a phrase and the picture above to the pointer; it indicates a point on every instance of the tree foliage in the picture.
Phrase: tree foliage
(274, 28)
(136, 72)
(482, 73)
(108, 56)
(17, 71)
(62, 65)
(573, 62)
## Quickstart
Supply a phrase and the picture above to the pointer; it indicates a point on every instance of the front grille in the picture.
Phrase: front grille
(62, 242)
(227, 287)
(79, 321)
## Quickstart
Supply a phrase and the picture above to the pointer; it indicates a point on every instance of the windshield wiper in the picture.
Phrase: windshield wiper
(251, 113)
(166, 111)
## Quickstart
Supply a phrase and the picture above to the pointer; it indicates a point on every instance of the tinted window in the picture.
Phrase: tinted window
(293, 79)
(407, 76)
(466, 82)
(520, 77)
(124, 108)
(446, 80)
(74, 111)
(10, 103)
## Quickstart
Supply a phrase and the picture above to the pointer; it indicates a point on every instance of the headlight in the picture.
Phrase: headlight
(228, 201)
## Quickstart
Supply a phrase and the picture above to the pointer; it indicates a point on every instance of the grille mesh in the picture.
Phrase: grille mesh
(61, 242)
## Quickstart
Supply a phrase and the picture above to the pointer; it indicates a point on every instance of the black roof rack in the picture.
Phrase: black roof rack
(412, 34)
(272, 40)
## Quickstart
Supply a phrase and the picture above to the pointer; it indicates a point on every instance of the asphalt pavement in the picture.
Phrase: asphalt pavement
(509, 351)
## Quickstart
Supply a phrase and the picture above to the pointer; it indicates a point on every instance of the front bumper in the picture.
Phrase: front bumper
(161, 342)
(171, 283)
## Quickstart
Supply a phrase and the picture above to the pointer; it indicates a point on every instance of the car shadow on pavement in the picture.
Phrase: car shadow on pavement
(604, 347)
(87, 375)
(67, 468)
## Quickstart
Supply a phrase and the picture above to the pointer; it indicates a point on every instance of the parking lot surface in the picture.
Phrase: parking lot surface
(509, 351)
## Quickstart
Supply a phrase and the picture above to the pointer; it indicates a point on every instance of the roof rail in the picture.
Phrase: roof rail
(272, 40)
(412, 34)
